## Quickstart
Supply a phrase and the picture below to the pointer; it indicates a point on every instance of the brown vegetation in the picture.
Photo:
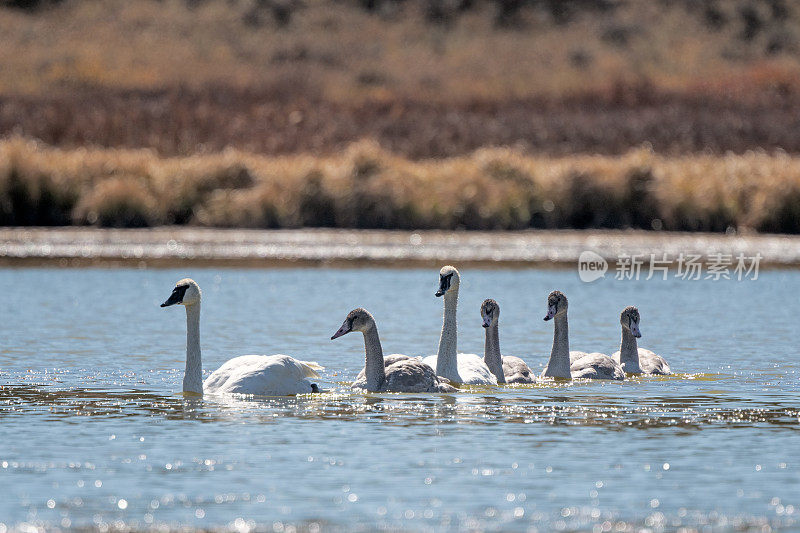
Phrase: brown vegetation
(423, 78)
(366, 187)
(184, 121)
(352, 50)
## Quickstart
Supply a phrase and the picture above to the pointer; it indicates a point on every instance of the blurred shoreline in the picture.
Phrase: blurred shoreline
(167, 247)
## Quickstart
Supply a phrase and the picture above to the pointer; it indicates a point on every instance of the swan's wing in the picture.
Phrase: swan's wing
(266, 375)
(616, 356)
(360, 382)
(392, 358)
(412, 375)
(576, 355)
(387, 361)
(473, 370)
(431, 360)
(313, 366)
(653, 363)
(595, 366)
(516, 370)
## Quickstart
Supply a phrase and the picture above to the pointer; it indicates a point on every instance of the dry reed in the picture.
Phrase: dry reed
(367, 187)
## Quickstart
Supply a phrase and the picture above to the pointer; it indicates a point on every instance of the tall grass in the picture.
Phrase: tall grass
(365, 186)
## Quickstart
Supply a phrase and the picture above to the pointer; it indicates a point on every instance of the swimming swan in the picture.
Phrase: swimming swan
(396, 372)
(566, 364)
(466, 368)
(635, 360)
(506, 368)
(265, 375)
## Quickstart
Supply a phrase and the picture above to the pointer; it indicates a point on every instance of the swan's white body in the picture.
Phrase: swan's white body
(566, 364)
(469, 369)
(461, 368)
(263, 375)
(393, 373)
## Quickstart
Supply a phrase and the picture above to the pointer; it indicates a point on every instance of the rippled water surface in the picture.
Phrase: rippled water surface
(95, 432)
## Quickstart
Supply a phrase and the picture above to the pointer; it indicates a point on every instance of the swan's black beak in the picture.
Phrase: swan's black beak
(346, 328)
(176, 297)
(444, 284)
(487, 321)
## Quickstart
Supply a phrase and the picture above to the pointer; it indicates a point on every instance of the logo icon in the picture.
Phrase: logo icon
(591, 266)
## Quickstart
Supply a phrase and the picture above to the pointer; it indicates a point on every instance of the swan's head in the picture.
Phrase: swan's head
(186, 292)
(630, 320)
(556, 304)
(357, 320)
(448, 280)
(490, 312)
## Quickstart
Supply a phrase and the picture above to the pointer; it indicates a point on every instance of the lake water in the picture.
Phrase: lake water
(95, 432)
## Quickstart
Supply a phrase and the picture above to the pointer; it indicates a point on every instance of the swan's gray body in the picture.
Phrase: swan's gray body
(394, 373)
(632, 359)
(506, 368)
(407, 375)
(388, 360)
(594, 365)
(563, 363)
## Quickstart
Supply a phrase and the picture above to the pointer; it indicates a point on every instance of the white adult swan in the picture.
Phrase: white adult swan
(396, 372)
(566, 364)
(506, 368)
(635, 360)
(462, 368)
(264, 375)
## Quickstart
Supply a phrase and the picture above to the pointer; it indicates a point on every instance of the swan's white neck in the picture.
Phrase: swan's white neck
(558, 365)
(491, 352)
(193, 375)
(629, 353)
(446, 360)
(373, 366)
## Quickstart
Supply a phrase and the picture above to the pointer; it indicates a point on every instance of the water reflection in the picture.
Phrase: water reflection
(531, 406)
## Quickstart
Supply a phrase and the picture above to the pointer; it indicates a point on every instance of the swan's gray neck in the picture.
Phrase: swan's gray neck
(629, 353)
(373, 366)
(491, 352)
(558, 365)
(193, 375)
(446, 360)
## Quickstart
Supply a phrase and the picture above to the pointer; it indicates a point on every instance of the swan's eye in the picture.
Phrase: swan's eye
(180, 291)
